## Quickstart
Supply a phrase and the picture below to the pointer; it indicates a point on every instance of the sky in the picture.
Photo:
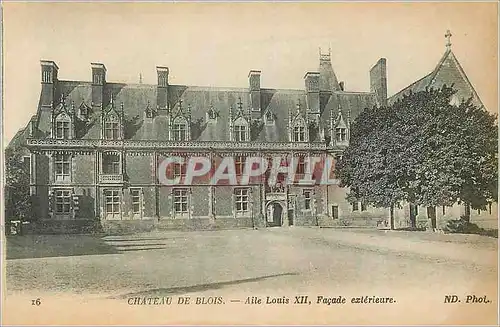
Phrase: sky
(217, 44)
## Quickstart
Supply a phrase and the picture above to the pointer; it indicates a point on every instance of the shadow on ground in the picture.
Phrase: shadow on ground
(41, 246)
(44, 246)
(158, 292)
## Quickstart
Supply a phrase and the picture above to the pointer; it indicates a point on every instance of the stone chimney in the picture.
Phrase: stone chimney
(98, 84)
(254, 88)
(162, 90)
(378, 81)
(49, 83)
(312, 93)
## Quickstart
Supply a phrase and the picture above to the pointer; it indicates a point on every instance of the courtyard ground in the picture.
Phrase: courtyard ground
(417, 269)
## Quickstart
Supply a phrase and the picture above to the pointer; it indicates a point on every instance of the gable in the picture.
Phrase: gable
(447, 72)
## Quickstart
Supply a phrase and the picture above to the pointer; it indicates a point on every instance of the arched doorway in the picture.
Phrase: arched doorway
(274, 214)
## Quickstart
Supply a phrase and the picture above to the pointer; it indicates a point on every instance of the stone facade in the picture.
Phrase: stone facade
(95, 148)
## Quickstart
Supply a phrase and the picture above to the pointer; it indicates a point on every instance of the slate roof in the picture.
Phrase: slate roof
(448, 72)
(138, 98)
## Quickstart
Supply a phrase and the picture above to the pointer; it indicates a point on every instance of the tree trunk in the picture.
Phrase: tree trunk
(413, 216)
(391, 221)
(467, 212)
(431, 214)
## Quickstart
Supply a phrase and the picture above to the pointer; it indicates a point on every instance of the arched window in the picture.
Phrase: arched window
(180, 129)
(63, 126)
(241, 130)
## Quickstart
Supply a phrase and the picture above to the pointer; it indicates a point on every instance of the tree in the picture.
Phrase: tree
(422, 150)
(17, 186)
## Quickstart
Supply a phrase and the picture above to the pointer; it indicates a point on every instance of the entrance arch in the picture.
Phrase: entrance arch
(274, 213)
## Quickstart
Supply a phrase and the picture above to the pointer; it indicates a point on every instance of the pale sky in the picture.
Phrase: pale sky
(217, 44)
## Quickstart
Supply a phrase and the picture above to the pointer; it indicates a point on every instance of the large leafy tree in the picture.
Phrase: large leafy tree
(422, 150)
(17, 186)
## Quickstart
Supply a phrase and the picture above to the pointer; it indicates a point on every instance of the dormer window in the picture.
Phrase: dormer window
(241, 130)
(62, 130)
(299, 134)
(240, 133)
(341, 134)
(180, 130)
(111, 130)
(112, 122)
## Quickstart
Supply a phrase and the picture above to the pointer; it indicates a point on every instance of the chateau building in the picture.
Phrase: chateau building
(94, 148)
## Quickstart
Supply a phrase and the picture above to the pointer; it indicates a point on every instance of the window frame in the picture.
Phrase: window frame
(62, 198)
(62, 167)
(137, 203)
(240, 132)
(63, 129)
(308, 197)
(299, 133)
(116, 166)
(239, 165)
(180, 201)
(241, 200)
(341, 134)
(180, 131)
(112, 129)
(115, 203)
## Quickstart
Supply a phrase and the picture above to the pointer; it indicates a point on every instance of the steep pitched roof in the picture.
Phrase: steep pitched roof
(448, 71)
(327, 79)
(137, 99)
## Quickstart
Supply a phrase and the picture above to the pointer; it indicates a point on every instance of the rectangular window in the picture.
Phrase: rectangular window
(299, 134)
(240, 133)
(62, 130)
(363, 206)
(62, 164)
(307, 199)
(111, 164)
(112, 202)
(179, 170)
(341, 134)
(62, 201)
(489, 208)
(135, 195)
(335, 212)
(181, 200)
(355, 206)
(478, 211)
(111, 130)
(444, 210)
(180, 132)
(301, 165)
(416, 210)
(241, 199)
(239, 165)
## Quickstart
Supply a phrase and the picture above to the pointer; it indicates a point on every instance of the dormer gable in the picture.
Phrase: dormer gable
(62, 121)
(112, 122)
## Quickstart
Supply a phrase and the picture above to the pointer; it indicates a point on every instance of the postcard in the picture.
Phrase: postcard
(325, 163)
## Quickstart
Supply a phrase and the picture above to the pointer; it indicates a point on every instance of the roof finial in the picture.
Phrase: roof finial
(448, 39)
(140, 78)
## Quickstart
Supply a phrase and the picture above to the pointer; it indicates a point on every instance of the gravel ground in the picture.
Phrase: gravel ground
(240, 263)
